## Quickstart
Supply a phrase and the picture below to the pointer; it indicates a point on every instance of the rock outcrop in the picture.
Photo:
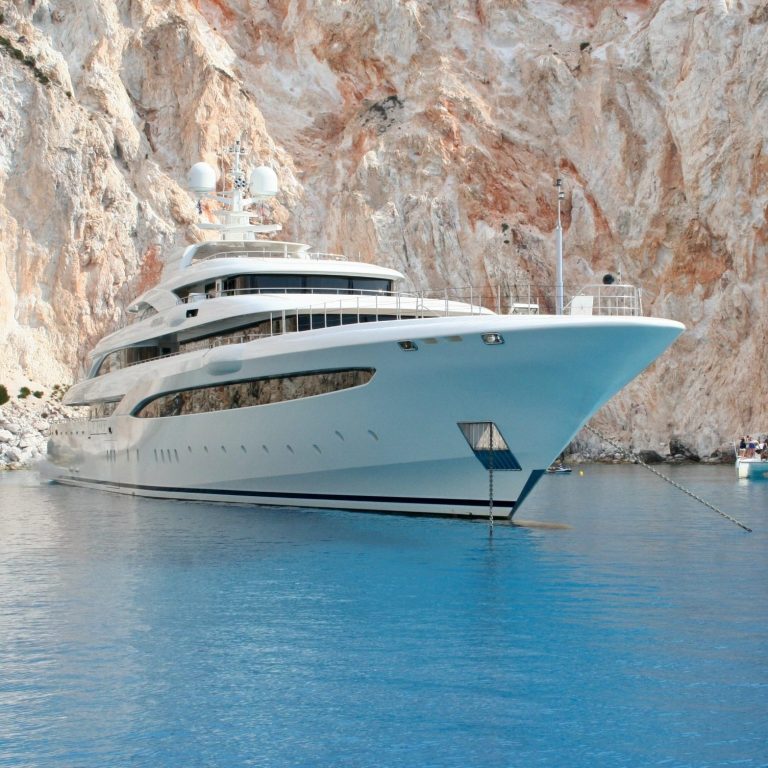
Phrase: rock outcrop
(24, 429)
(424, 136)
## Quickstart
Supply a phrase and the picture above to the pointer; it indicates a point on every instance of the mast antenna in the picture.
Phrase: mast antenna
(559, 250)
(244, 191)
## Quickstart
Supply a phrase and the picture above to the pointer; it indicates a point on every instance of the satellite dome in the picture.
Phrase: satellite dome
(202, 178)
(263, 182)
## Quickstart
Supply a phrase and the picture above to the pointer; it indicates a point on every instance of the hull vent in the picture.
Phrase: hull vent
(489, 445)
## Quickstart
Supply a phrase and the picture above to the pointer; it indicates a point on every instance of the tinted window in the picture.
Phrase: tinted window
(103, 409)
(327, 281)
(293, 283)
(244, 394)
(371, 284)
(279, 283)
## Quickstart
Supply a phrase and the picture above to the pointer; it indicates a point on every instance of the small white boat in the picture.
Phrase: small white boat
(559, 469)
(751, 459)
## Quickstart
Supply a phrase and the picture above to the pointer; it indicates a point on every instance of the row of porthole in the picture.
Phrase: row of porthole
(488, 338)
(171, 455)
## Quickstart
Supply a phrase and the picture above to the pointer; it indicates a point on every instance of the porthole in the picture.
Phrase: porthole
(492, 338)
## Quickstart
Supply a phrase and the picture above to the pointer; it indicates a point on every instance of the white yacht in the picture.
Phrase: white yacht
(260, 372)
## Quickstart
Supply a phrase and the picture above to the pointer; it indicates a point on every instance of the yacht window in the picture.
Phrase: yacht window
(313, 322)
(371, 284)
(251, 392)
(328, 281)
(103, 409)
(291, 283)
(280, 283)
(122, 358)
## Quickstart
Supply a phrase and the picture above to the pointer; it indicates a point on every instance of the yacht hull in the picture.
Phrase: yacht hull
(391, 445)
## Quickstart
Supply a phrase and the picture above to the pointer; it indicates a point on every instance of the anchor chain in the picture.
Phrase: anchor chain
(634, 457)
(490, 482)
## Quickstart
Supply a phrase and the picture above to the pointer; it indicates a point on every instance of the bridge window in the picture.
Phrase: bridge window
(103, 409)
(292, 283)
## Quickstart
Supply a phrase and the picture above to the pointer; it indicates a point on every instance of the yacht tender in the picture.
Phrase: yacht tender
(259, 372)
(751, 458)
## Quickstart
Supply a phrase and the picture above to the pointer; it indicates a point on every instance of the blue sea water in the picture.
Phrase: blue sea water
(153, 633)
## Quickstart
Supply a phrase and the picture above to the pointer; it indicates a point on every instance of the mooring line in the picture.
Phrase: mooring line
(634, 457)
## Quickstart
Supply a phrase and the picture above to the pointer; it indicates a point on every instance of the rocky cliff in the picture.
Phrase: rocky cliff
(422, 135)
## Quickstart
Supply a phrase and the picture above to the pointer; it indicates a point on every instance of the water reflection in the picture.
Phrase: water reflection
(152, 632)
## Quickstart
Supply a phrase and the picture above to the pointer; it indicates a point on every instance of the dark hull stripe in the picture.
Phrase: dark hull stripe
(287, 495)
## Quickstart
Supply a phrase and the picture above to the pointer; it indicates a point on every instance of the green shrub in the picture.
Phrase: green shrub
(24, 392)
(4, 398)
(38, 393)
(58, 391)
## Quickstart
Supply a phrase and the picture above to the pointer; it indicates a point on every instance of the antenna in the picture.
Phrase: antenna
(559, 250)
(234, 217)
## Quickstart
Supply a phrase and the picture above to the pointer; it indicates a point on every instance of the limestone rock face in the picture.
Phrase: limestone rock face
(421, 135)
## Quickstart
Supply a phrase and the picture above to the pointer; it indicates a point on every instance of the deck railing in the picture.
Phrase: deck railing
(351, 307)
(594, 299)
(228, 251)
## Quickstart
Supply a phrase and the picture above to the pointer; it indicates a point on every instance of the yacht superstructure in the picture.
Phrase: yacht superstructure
(260, 372)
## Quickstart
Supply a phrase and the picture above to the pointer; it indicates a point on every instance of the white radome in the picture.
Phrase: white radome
(263, 182)
(202, 178)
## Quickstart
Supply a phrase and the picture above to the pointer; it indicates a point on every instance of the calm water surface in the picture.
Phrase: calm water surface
(152, 633)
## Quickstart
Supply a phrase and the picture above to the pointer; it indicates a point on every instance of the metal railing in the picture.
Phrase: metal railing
(366, 306)
(228, 252)
(595, 299)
